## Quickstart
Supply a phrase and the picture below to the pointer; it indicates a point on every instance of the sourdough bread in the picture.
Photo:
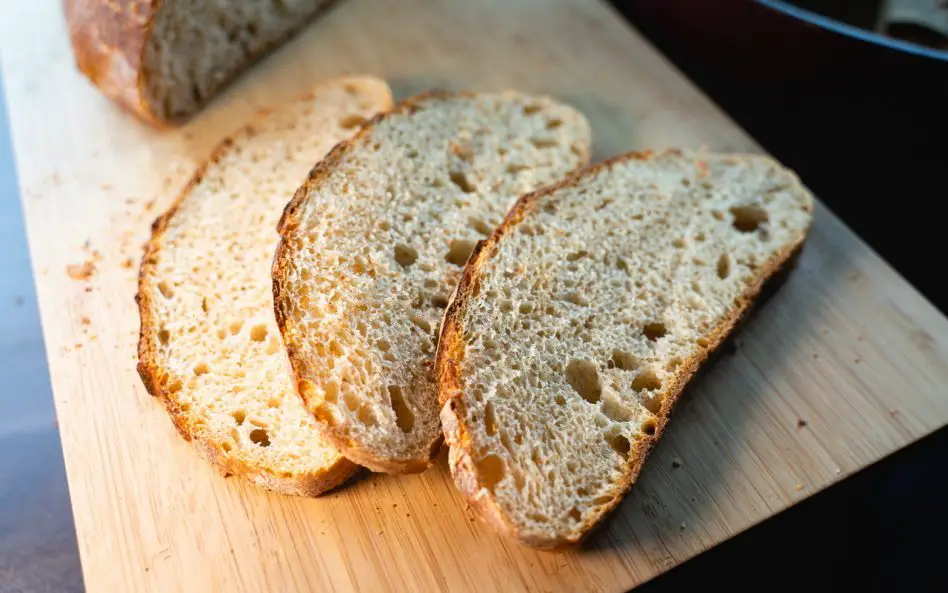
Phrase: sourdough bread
(373, 245)
(209, 346)
(579, 322)
(163, 60)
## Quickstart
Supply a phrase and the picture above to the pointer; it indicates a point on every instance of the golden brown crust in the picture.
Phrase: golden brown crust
(451, 351)
(108, 40)
(159, 384)
(289, 222)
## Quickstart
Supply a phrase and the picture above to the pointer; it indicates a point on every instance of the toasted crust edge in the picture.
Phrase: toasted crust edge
(290, 221)
(308, 485)
(451, 350)
(108, 41)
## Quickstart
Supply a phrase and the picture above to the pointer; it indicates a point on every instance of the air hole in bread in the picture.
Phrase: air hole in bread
(572, 466)
(239, 416)
(655, 331)
(614, 410)
(367, 417)
(490, 471)
(560, 400)
(490, 423)
(175, 386)
(165, 289)
(679, 243)
(575, 298)
(352, 402)
(221, 333)
(439, 301)
(273, 402)
(583, 377)
(420, 322)
(653, 403)
(543, 142)
(519, 481)
(526, 308)
(575, 515)
(698, 261)
(459, 251)
(717, 214)
(576, 255)
(258, 333)
(649, 427)
(646, 380)
(674, 363)
(405, 255)
(383, 345)
(619, 443)
(163, 336)
(724, 266)
(748, 219)
(404, 417)
(554, 123)
(480, 226)
(459, 178)
(703, 342)
(624, 361)
(235, 327)
(350, 121)
(227, 446)
(201, 368)
(383, 225)
(532, 108)
(259, 436)
(700, 237)
(330, 391)
(274, 346)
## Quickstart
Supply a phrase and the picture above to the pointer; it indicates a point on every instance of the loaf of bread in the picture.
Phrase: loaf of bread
(209, 347)
(164, 60)
(580, 320)
(373, 245)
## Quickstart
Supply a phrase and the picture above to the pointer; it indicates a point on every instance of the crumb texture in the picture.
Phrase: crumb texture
(197, 46)
(372, 252)
(575, 332)
(210, 347)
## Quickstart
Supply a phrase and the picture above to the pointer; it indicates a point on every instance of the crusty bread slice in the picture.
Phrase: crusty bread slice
(374, 243)
(209, 346)
(165, 60)
(579, 322)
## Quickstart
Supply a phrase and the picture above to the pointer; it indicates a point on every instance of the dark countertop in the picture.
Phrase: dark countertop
(868, 140)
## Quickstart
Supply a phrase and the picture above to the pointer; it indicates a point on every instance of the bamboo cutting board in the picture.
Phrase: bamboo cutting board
(846, 346)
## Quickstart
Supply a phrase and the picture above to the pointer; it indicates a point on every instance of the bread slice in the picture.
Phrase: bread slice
(374, 243)
(579, 322)
(164, 60)
(209, 346)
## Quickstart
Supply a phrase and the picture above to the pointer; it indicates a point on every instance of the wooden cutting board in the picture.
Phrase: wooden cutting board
(846, 346)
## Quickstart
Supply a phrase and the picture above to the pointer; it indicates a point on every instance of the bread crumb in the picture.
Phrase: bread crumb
(77, 345)
(799, 487)
(88, 289)
(857, 360)
(801, 423)
(128, 263)
(676, 463)
(893, 412)
(682, 526)
(85, 321)
(838, 471)
(149, 205)
(81, 271)
(815, 356)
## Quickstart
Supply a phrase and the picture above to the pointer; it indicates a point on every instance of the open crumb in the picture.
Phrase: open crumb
(801, 423)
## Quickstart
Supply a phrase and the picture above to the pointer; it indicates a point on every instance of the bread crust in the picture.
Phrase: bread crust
(451, 352)
(109, 41)
(155, 378)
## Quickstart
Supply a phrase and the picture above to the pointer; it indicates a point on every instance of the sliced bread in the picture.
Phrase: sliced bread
(373, 245)
(579, 322)
(209, 346)
(164, 60)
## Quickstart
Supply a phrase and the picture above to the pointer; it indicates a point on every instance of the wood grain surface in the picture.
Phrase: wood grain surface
(846, 364)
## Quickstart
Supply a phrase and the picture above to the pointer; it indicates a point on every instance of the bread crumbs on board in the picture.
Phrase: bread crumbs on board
(82, 271)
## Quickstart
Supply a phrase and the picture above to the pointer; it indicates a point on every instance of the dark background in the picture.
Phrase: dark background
(866, 128)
